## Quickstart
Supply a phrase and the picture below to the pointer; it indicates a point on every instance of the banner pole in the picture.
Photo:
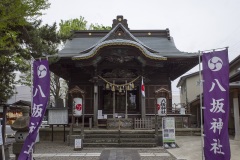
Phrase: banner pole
(2, 143)
(32, 60)
(201, 91)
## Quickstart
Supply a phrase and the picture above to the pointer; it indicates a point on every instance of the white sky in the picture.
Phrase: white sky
(194, 24)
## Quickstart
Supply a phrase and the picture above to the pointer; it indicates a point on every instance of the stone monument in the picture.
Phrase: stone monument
(21, 127)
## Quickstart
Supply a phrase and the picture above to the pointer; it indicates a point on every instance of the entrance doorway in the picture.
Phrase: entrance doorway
(122, 100)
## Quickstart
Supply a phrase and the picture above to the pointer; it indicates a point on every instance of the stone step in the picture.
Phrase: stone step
(145, 145)
(138, 140)
(141, 144)
(121, 140)
(119, 135)
(116, 138)
(101, 140)
(137, 135)
(100, 144)
(101, 135)
(117, 131)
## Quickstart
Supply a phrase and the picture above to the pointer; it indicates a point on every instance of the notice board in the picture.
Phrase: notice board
(168, 129)
(57, 116)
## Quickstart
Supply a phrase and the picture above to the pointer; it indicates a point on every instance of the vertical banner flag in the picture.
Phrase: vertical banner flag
(216, 103)
(40, 93)
(143, 88)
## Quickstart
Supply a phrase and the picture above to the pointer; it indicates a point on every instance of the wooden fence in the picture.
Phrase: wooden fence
(145, 123)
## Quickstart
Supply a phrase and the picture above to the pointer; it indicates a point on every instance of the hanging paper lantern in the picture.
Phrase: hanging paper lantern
(120, 89)
(132, 85)
(113, 88)
(129, 87)
(107, 86)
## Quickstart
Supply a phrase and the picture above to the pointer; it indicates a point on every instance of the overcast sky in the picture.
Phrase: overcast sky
(194, 24)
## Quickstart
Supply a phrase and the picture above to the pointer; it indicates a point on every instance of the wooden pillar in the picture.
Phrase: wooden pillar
(114, 103)
(83, 115)
(95, 109)
(126, 107)
(143, 107)
(236, 114)
(4, 121)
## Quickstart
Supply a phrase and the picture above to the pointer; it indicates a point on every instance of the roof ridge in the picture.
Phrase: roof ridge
(113, 30)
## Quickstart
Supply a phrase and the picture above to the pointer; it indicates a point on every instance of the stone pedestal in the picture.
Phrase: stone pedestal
(119, 123)
(6, 151)
(16, 148)
(71, 140)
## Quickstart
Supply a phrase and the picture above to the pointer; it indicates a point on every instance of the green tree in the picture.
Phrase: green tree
(15, 16)
(67, 26)
(46, 39)
(59, 87)
(99, 27)
(18, 23)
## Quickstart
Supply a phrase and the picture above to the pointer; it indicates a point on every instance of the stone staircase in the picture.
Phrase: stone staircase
(123, 138)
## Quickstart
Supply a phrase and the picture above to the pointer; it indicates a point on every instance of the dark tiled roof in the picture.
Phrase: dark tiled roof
(22, 103)
(154, 46)
(77, 45)
(119, 42)
(159, 44)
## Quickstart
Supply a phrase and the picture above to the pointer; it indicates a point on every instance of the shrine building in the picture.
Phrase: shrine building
(110, 65)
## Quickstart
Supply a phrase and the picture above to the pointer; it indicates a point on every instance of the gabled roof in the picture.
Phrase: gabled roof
(22, 103)
(156, 44)
(233, 63)
(183, 78)
(76, 89)
(235, 84)
(162, 90)
(235, 68)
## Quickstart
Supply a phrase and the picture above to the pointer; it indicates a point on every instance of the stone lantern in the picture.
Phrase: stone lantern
(21, 127)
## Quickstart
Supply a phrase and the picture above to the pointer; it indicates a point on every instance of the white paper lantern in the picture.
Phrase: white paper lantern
(77, 107)
(161, 106)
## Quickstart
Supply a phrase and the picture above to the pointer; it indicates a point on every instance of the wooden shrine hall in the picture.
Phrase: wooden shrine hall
(109, 65)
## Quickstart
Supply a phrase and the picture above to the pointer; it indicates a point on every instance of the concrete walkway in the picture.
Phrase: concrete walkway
(59, 151)
(190, 148)
(119, 154)
(108, 154)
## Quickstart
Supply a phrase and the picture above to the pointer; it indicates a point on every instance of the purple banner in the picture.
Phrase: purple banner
(41, 91)
(216, 103)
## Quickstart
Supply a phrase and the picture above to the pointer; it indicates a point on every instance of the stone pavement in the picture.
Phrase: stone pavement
(107, 154)
(189, 149)
(60, 151)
